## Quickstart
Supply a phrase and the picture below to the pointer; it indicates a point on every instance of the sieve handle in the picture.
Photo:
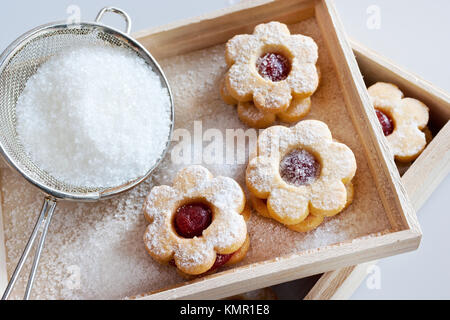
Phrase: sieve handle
(44, 220)
(119, 12)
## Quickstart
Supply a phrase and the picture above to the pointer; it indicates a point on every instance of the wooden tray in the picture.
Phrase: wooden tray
(420, 179)
(381, 220)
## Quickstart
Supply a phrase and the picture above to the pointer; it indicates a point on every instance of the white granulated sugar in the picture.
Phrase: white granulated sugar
(94, 116)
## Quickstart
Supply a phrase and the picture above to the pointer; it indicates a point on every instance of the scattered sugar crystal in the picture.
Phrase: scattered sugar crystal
(94, 116)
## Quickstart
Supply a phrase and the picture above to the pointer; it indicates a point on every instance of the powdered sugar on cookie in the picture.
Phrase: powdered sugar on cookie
(271, 66)
(300, 170)
(408, 116)
(226, 233)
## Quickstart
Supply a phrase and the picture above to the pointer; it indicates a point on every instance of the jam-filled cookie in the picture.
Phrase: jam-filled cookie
(270, 68)
(198, 224)
(301, 171)
(403, 120)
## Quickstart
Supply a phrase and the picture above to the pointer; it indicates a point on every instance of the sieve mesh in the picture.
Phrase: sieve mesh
(22, 63)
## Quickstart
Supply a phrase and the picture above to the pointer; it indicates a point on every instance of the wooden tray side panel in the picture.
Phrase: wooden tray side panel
(428, 171)
(297, 266)
(384, 172)
(215, 28)
(340, 285)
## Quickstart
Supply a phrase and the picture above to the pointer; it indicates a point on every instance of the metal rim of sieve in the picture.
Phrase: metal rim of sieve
(55, 193)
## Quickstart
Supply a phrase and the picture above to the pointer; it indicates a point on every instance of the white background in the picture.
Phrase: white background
(414, 34)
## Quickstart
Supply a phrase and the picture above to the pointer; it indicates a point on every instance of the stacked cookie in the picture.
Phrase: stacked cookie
(271, 75)
(300, 175)
(198, 224)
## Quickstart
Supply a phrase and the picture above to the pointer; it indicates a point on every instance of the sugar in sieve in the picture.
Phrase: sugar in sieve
(17, 64)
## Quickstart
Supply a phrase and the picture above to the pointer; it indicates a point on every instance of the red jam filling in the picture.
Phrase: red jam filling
(273, 66)
(386, 123)
(299, 167)
(191, 219)
(221, 259)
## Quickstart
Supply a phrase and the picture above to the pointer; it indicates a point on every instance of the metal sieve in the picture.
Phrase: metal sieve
(17, 64)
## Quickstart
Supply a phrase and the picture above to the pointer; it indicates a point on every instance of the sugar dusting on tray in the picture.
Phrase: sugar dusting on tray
(94, 116)
(95, 251)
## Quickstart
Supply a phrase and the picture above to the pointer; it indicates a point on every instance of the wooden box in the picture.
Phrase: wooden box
(378, 187)
(420, 179)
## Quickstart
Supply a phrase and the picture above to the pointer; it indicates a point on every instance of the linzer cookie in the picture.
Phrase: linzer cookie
(300, 175)
(198, 224)
(273, 72)
(403, 120)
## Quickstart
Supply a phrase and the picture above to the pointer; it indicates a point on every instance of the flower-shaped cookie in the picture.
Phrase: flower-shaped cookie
(402, 120)
(196, 221)
(300, 170)
(271, 66)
